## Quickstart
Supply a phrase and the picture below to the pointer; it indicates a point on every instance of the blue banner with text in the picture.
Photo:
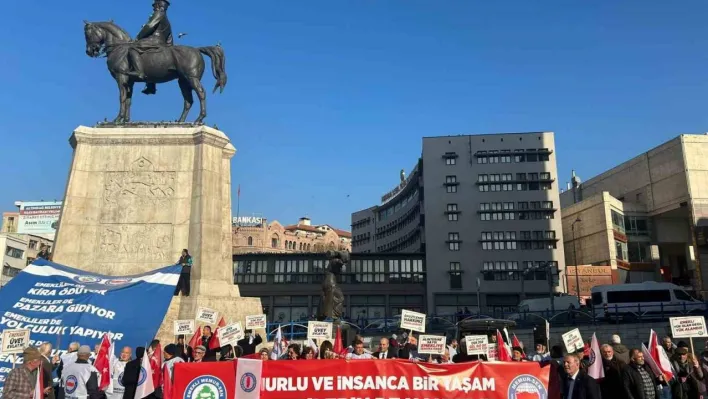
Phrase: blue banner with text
(60, 305)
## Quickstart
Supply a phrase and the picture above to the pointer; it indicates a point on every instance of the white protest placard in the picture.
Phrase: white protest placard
(230, 334)
(573, 340)
(319, 330)
(492, 354)
(432, 344)
(688, 326)
(256, 322)
(184, 327)
(15, 341)
(477, 344)
(207, 315)
(411, 320)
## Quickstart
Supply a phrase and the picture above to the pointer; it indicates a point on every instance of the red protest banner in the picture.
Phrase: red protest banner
(320, 379)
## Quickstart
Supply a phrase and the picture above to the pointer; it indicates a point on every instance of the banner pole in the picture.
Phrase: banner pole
(693, 352)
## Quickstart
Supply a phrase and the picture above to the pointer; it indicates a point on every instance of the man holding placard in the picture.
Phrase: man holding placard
(249, 343)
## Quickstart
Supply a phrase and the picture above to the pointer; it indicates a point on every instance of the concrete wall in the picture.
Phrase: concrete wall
(593, 234)
(655, 179)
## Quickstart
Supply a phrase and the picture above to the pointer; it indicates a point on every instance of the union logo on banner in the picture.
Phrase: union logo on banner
(119, 281)
(71, 384)
(120, 379)
(207, 387)
(87, 279)
(527, 386)
(142, 377)
(248, 382)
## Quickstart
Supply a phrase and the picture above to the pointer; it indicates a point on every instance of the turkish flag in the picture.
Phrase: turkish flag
(215, 343)
(102, 363)
(338, 347)
(503, 353)
(196, 339)
(156, 364)
(167, 382)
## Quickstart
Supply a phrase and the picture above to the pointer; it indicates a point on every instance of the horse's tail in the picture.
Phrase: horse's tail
(218, 63)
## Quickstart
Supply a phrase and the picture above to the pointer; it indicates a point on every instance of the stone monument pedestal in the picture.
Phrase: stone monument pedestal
(138, 194)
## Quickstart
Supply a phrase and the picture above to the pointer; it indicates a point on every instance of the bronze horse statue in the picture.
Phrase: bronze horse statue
(161, 64)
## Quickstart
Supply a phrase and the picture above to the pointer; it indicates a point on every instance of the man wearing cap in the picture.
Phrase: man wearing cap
(64, 361)
(20, 383)
(117, 369)
(621, 351)
(80, 379)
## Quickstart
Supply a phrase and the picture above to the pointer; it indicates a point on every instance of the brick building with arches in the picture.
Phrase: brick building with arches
(273, 237)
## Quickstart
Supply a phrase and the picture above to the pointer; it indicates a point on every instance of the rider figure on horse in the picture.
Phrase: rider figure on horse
(156, 33)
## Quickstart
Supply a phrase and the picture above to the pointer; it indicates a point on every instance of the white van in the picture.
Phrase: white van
(646, 300)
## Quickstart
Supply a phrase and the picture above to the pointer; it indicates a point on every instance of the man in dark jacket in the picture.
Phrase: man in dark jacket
(131, 375)
(621, 351)
(249, 343)
(385, 350)
(410, 350)
(611, 385)
(639, 381)
(207, 336)
(575, 384)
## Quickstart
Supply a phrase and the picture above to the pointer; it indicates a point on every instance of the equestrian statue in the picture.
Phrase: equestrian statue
(153, 58)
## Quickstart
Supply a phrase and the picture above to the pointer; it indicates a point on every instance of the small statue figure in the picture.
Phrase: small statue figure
(332, 299)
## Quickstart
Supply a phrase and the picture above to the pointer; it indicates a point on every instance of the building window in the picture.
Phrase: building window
(482, 178)
(452, 213)
(506, 156)
(485, 217)
(617, 221)
(455, 276)
(483, 188)
(621, 250)
(450, 179)
(14, 252)
(250, 272)
(453, 241)
(274, 241)
(482, 157)
(406, 271)
(545, 176)
(519, 156)
(507, 187)
(506, 177)
(522, 187)
(450, 161)
(250, 241)
(639, 251)
(493, 157)
(451, 189)
(547, 205)
(368, 271)
(33, 244)
(636, 225)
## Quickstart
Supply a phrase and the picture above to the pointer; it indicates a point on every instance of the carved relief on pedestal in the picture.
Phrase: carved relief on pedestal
(139, 195)
(135, 243)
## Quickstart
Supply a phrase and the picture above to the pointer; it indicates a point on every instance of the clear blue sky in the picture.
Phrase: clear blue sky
(328, 100)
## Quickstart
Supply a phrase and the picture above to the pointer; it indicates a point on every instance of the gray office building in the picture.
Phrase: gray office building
(489, 220)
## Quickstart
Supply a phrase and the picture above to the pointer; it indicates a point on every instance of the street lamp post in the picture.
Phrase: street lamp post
(575, 259)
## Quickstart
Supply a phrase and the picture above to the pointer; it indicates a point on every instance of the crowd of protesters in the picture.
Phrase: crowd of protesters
(626, 373)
